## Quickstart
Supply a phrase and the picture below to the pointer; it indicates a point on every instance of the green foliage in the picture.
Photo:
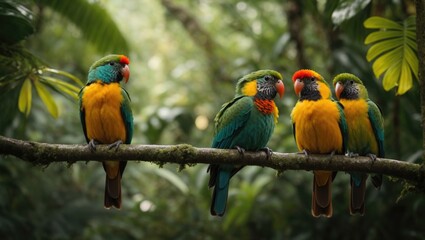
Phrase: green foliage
(172, 87)
(94, 22)
(15, 22)
(22, 68)
(347, 9)
(394, 50)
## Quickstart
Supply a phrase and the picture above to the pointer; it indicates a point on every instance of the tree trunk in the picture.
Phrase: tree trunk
(420, 36)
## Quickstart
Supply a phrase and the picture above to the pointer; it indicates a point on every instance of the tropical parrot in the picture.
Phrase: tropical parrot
(107, 118)
(245, 123)
(365, 131)
(319, 127)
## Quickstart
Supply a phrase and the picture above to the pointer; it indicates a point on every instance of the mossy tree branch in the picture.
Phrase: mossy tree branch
(44, 153)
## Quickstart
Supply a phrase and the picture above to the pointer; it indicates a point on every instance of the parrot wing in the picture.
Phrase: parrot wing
(83, 113)
(377, 122)
(343, 127)
(229, 121)
(231, 118)
(127, 116)
(375, 117)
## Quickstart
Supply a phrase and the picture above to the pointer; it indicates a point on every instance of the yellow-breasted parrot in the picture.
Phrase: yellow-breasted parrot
(365, 131)
(246, 123)
(319, 127)
(107, 118)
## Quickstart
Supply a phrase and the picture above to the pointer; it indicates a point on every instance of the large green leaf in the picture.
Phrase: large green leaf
(347, 9)
(394, 51)
(94, 22)
(15, 22)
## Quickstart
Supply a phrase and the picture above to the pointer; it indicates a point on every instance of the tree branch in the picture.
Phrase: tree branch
(44, 153)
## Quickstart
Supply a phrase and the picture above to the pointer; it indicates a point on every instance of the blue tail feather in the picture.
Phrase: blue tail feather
(221, 189)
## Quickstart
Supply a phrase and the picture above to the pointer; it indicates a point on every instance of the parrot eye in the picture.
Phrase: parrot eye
(112, 63)
(351, 82)
(268, 78)
(313, 79)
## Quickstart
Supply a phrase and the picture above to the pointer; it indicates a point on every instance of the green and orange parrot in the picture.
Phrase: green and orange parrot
(245, 123)
(365, 131)
(319, 128)
(107, 118)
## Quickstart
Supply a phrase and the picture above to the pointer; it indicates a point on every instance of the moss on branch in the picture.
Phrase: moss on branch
(187, 155)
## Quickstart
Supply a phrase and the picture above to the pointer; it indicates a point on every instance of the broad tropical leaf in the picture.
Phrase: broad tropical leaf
(94, 22)
(347, 9)
(394, 51)
(15, 22)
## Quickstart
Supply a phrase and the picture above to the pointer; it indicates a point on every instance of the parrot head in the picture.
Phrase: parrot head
(111, 68)
(264, 84)
(349, 86)
(309, 85)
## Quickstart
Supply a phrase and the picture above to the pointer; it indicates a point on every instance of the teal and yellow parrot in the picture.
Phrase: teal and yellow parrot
(107, 118)
(319, 127)
(365, 131)
(245, 123)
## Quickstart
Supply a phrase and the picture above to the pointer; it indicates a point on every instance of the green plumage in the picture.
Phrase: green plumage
(241, 124)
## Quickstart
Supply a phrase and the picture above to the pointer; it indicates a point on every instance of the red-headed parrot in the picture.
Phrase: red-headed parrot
(319, 127)
(366, 132)
(106, 116)
(246, 123)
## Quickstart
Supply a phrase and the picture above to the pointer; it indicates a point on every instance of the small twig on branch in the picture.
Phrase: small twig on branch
(44, 153)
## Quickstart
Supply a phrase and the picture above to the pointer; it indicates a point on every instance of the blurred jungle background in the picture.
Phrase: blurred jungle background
(186, 56)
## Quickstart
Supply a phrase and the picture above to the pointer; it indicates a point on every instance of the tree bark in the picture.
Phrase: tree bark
(420, 39)
(293, 10)
(184, 154)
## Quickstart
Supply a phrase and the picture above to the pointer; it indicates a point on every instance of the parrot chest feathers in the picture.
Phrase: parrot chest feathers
(267, 107)
(362, 139)
(102, 106)
(317, 126)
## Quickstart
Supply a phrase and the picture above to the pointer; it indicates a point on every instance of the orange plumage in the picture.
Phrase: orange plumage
(318, 125)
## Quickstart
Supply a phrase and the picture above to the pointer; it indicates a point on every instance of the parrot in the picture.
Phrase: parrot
(365, 131)
(107, 118)
(319, 127)
(245, 123)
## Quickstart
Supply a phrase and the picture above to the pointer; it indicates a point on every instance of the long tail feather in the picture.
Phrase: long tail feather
(357, 194)
(114, 172)
(220, 193)
(113, 191)
(322, 194)
(377, 180)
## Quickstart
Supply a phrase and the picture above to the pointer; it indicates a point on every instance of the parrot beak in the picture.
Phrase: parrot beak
(280, 87)
(125, 71)
(298, 86)
(339, 87)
